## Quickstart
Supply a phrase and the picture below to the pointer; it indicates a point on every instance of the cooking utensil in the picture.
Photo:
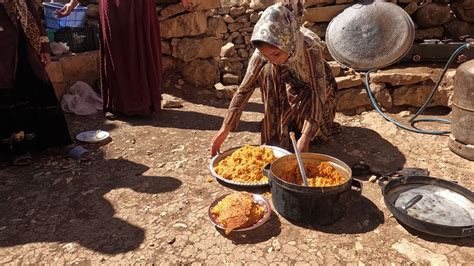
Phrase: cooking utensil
(411, 202)
(277, 151)
(446, 208)
(364, 37)
(259, 199)
(310, 205)
(298, 158)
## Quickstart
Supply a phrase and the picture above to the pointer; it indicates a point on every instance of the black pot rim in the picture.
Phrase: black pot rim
(303, 189)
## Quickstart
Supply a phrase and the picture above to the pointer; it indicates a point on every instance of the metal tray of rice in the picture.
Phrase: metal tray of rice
(242, 166)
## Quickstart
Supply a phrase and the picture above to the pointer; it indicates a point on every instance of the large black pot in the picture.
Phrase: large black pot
(309, 205)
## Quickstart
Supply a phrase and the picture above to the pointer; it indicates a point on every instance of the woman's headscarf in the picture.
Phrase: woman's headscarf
(278, 26)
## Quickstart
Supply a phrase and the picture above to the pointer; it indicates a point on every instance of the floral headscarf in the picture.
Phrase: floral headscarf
(277, 26)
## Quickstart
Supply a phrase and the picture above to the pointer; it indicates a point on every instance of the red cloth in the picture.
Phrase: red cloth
(130, 56)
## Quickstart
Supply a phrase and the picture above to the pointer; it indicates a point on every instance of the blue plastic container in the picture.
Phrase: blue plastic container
(77, 18)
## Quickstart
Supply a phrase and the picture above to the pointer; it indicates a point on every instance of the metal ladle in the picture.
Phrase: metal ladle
(298, 158)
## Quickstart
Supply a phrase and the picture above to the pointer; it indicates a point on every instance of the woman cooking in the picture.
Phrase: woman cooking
(298, 89)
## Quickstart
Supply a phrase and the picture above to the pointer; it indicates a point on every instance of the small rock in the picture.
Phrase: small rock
(3, 228)
(162, 214)
(228, 50)
(149, 152)
(179, 165)
(404, 114)
(228, 19)
(276, 245)
(237, 11)
(230, 79)
(180, 225)
(254, 18)
(373, 179)
(270, 250)
(172, 103)
(358, 246)
(171, 240)
(292, 243)
(181, 82)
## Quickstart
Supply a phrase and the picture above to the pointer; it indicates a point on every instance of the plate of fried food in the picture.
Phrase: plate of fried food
(239, 212)
(243, 166)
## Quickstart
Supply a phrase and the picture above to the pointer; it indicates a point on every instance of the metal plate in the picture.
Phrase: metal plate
(259, 199)
(93, 136)
(371, 35)
(446, 209)
(277, 151)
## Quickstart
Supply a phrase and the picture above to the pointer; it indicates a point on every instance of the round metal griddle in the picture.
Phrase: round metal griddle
(370, 35)
(431, 205)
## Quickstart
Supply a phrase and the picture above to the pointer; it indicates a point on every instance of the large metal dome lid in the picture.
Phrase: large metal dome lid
(370, 35)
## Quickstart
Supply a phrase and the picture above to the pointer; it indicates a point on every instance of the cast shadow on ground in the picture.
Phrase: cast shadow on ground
(461, 242)
(361, 216)
(175, 118)
(189, 95)
(270, 229)
(356, 144)
(73, 208)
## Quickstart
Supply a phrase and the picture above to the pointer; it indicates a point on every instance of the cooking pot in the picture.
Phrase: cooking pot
(309, 205)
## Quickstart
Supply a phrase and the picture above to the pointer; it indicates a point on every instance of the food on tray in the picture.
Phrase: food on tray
(237, 210)
(246, 164)
(318, 174)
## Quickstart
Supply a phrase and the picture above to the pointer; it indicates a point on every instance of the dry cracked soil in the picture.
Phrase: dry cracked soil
(144, 197)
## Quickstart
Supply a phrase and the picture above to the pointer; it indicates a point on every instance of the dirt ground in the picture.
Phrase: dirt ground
(145, 197)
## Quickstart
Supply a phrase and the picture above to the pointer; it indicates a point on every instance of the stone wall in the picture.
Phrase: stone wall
(207, 50)
(434, 19)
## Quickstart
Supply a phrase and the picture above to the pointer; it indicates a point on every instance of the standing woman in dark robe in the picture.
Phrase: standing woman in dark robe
(30, 115)
(130, 55)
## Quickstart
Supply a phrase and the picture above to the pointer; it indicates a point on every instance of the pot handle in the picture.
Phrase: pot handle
(357, 186)
(266, 172)
(383, 180)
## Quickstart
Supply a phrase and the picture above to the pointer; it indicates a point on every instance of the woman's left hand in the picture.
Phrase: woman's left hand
(303, 143)
(45, 58)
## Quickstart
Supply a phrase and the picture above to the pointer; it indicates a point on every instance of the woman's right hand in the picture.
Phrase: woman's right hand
(218, 139)
(67, 9)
